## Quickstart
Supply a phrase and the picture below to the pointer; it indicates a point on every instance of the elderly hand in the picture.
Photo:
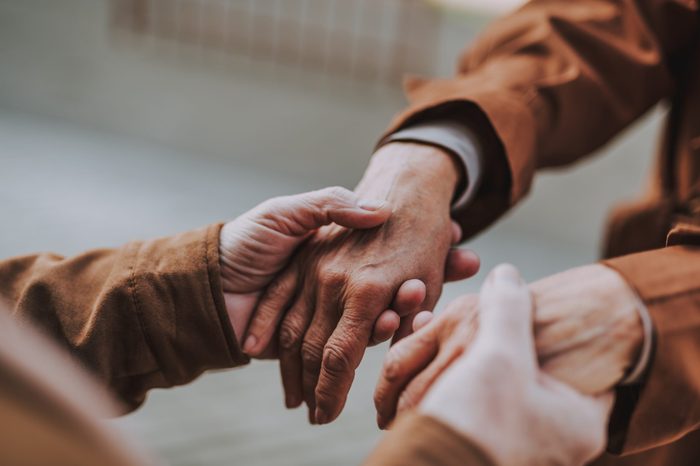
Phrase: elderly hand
(587, 328)
(499, 398)
(341, 280)
(256, 246)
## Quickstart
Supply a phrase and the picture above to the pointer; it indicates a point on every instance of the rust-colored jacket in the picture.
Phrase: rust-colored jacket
(548, 85)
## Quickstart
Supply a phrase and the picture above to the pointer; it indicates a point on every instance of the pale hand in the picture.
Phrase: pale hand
(498, 397)
(587, 332)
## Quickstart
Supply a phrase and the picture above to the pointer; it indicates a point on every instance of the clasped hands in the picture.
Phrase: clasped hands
(314, 279)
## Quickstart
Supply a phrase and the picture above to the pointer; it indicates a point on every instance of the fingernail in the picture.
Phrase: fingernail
(250, 343)
(371, 204)
(321, 416)
(506, 273)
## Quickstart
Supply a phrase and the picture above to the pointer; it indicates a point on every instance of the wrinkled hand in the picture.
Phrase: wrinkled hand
(256, 246)
(341, 280)
(587, 328)
(497, 396)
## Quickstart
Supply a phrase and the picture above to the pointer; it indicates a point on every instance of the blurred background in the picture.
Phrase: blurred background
(126, 119)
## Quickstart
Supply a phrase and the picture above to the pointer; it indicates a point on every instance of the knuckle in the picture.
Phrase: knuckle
(407, 400)
(325, 394)
(370, 288)
(336, 361)
(337, 192)
(290, 337)
(393, 367)
(311, 355)
(379, 398)
(277, 288)
(332, 278)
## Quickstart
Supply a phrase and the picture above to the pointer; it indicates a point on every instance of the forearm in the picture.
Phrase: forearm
(662, 407)
(149, 314)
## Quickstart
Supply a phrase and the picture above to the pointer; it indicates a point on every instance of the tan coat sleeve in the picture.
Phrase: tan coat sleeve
(421, 440)
(666, 405)
(149, 314)
(548, 85)
(553, 82)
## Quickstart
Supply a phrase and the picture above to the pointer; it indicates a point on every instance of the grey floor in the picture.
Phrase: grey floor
(65, 189)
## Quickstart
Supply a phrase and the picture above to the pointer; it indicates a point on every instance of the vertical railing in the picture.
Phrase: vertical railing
(376, 40)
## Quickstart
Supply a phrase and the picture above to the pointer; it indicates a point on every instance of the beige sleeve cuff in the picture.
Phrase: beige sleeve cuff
(635, 375)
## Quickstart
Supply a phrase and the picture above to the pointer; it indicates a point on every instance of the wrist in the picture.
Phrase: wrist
(635, 327)
(403, 172)
(588, 329)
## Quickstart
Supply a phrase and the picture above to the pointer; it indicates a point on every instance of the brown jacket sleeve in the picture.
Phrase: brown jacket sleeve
(421, 440)
(548, 85)
(149, 314)
(553, 82)
(667, 405)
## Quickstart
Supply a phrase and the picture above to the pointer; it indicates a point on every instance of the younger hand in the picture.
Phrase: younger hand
(587, 332)
(497, 396)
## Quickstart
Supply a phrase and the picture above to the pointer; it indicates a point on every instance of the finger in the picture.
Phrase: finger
(341, 356)
(291, 336)
(505, 313)
(324, 321)
(421, 320)
(407, 302)
(273, 304)
(299, 214)
(409, 297)
(385, 327)
(456, 232)
(417, 388)
(404, 330)
(405, 359)
(461, 264)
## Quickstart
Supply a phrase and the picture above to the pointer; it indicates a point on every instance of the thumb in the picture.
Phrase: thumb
(505, 314)
(306, 212)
